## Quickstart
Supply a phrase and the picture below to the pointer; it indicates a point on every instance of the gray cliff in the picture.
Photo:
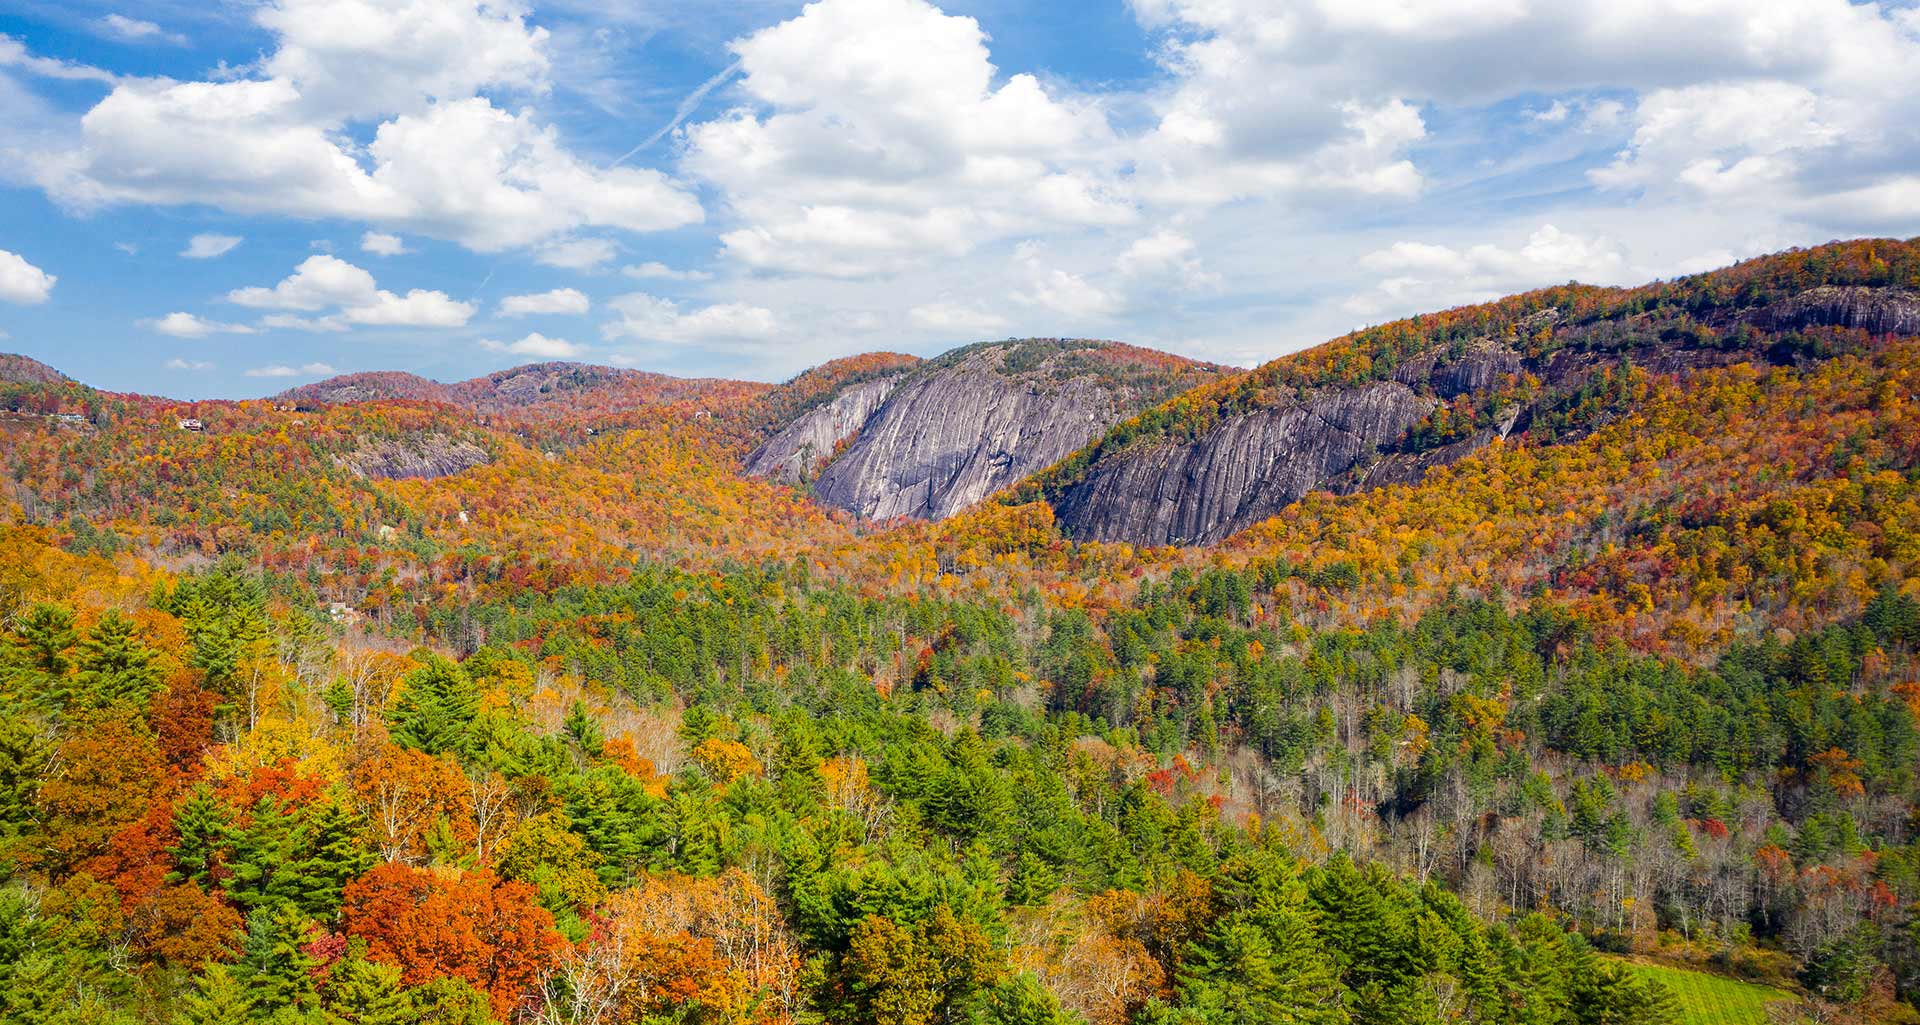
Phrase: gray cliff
(937, 438)
(1241, 472)
(797, 452)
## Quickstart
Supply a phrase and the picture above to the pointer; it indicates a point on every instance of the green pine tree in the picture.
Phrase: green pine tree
(205, 827)
(363, 992)
(43, 638)
(217, 998)
(274, 963)
(335, 856)
(1022, 1000)
(116, 667)
(437, 704)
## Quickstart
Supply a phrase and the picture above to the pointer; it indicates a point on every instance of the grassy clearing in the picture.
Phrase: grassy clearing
(1707, 999)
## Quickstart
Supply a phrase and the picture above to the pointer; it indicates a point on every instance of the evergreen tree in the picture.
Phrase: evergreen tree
(335, 855)
(274, 963)
(42, 639)
(261, 855)
(436, 707)
(1022, 1000)
(584, 729)
(116, 667)
(363, 992)
(1616, 995)
(25, 752)
(217, 998)
(204, 824)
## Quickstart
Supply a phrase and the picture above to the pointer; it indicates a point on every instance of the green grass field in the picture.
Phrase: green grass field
(1707, 999)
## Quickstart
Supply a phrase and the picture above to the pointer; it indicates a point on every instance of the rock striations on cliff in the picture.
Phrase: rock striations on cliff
(929, 440)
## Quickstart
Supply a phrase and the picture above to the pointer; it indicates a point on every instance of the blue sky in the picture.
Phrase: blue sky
(225, 199)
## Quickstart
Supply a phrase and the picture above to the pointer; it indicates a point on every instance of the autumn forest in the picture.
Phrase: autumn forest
(1550, 650)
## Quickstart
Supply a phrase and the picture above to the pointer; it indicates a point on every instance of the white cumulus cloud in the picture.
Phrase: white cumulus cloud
(442, 160)
(649, 318)
(535, 344)
(559, 300)
(135, 30)
(283, 370)
(22, 282)
(208, 245)
(186, 325)
(955, 317)
(876, 137)
(324, 282)
(577, 254)
(380, 243)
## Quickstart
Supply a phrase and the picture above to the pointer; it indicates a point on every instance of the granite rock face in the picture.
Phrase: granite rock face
(418, 457)
(1878, 311)
(1246, 469)
(796, 453)
(945, 434)
(950, 438)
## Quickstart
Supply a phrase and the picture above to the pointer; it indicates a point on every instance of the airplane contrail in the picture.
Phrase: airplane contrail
(686, 108)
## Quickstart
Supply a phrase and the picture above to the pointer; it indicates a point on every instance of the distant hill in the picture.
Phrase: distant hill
(18, 369)
(538, 390)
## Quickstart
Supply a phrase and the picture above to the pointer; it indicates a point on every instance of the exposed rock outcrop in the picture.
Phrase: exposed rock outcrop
(1878, 311)
(419, 457)
(1244, 470)
(797, 452)
(935, 439)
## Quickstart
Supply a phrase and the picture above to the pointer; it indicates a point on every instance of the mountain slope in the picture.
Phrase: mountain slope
(18, 369)
(1386, 404)
(932, 439)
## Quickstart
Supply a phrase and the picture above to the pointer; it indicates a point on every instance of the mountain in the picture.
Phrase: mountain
(926, 440)
(1386, 404)
(18, 369)
(537, 390)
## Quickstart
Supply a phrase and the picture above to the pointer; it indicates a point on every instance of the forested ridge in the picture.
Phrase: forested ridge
(591, 728)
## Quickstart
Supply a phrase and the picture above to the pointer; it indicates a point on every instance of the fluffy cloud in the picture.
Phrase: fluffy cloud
(1420, 275)
(318, 283)
(134, 30)
(418, 308)
(536, 344)
(1058, 290)
(380, 243)
(1768, 101)
(577, 254)
(325, 282)
(1167, 254)
(359, 59)
(283, 370)
(952, 317)
(13, 54)
(442, 160)
(654, 269)
(875, 137)
(180, 363)
(186, 325)
(22, 282)
(560, 300)
(206, 246)
(649, 318)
